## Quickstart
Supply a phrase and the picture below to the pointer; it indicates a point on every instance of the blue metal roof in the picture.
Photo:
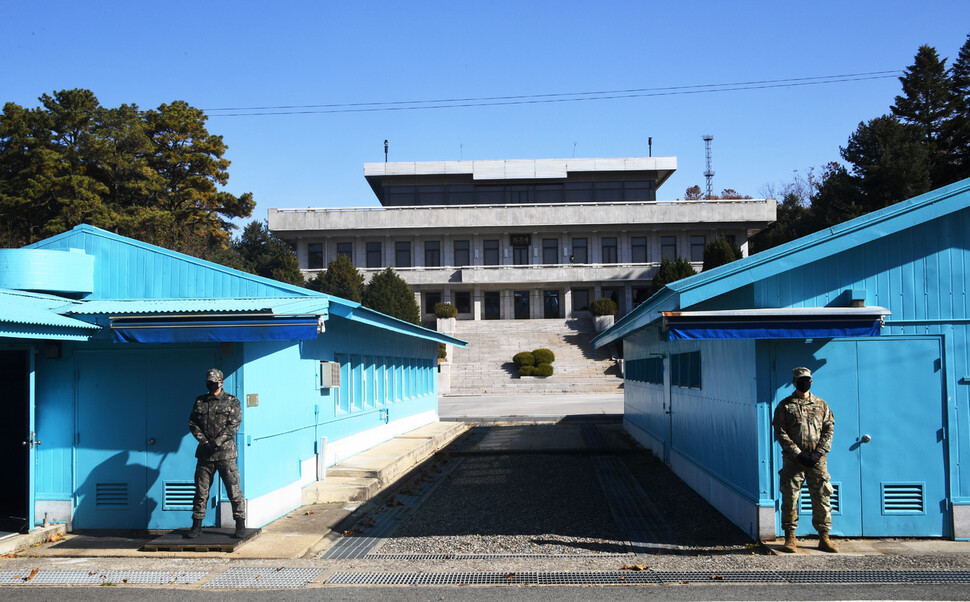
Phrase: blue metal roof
(317, 305)
(712, 283)
(29, 315)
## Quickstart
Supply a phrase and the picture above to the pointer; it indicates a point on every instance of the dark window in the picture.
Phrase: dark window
(431, 195)
(491, 252)
(609, 250)
(668, 247)
(550, 305)
(432, 253)
(697, 247)
(548, 193)
(520, 255)
(461, 195)
(640, 294)
(520, 194)
(399, 196)
(314, 255)
(647, 370)
(462, 256)
(402, 254)
(731, 239)
(581, 299)
(685, 369)
(374, 253)
(490, 195)
(520, 304)
(608, 191)
(346, 249)
(463, 301)
(638, 248)
(579, 192)
(430, 300)
(550, 250)
(638, 191)
(580, 252)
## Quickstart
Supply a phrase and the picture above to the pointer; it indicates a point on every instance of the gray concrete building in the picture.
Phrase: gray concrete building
(520, 239)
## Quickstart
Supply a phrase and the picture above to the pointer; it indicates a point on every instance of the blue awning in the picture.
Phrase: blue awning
(772, 323)
(221, 329)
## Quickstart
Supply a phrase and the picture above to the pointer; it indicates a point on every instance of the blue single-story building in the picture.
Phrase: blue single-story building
(104, 345)
(878, 309)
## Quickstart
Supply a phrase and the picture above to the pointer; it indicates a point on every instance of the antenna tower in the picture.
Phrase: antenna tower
(709, 173)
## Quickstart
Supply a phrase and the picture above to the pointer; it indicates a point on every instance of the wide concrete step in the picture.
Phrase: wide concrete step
(362, 476)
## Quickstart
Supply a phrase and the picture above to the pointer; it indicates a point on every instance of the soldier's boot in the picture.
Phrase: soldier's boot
(791, 544)
(826, 544)
(240, 528)
(196, 529)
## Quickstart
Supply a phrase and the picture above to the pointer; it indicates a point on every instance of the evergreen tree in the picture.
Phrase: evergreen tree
(671, 270)
(341, 279)
(958, 130)
(718, 252)
(263, 253)
(388, 293)
(926, 103)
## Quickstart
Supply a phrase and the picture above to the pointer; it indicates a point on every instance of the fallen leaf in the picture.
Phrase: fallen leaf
(33, 574)
(635, 567)
(717, 577)
(684, 582)
(510, 576)
(308, 512)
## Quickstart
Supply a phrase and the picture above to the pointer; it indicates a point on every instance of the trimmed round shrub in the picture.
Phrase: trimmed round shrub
(445, 310)
(442, 351)
(603, 307)
(543, 370)
(524, 358)
(526, 370)
(544, 356)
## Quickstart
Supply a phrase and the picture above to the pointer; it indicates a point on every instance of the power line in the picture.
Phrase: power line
(486, 101)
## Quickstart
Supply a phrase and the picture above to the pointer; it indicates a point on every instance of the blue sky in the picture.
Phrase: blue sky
(218, 55)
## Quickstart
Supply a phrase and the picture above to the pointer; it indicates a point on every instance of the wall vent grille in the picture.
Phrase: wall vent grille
(805, 500)
(179, 495)
(111, 495)
(902, 498)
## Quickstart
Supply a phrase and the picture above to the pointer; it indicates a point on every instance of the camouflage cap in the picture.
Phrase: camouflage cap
(801, 372)
(214, 375)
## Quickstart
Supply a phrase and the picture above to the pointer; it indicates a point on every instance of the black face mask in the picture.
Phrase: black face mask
(803, 384)
(211, 386)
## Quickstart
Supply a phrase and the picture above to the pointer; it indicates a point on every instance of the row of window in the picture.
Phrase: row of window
(370, 381)
(492, 301)
(471, 194)
(521, 245)
(685, 370)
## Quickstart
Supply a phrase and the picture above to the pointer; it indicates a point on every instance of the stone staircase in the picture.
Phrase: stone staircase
(485, 367)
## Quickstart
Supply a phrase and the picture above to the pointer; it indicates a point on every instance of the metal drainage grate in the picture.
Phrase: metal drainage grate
(263, 578)
(648, 577)
(473, 437)
(99, 577)
(506, 578)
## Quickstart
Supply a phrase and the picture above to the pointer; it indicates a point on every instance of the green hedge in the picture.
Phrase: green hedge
(603, 307)
(544, 356)
(543, 370)
(524, 358)
(527, 370)
(445, 310)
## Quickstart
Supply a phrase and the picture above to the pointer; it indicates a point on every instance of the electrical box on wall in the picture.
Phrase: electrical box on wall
(329, 375)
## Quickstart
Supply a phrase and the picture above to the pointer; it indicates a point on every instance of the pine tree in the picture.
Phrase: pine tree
(718, 252)
(341, 279)
(958, 130)
(388, 293)
(671, 270)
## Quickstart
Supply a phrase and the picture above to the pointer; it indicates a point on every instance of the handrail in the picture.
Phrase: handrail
(600, 204)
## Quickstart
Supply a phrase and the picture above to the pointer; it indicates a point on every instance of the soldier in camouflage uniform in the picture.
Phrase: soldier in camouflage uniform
(804, 426)
(214, 422)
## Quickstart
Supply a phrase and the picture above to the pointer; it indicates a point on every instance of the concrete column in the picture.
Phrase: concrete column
(567, 301)
(628, 296)
(477, 302)
(597, 292)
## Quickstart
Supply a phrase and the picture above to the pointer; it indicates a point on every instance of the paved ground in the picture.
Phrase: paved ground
(529, 407)
(572, 501)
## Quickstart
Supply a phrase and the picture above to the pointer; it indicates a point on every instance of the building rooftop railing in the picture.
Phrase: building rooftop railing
(599, 204)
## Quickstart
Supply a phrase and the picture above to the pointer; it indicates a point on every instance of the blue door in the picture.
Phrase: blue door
(887, 461)
(135, 456)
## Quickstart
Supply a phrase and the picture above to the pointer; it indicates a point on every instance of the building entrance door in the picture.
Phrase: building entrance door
(135, 455)
(550, 305)
(521, 304)
(493, 305)
(888, 458)
(16, 442)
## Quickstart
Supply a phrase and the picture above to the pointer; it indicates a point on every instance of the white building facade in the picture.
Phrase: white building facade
(520, 239)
